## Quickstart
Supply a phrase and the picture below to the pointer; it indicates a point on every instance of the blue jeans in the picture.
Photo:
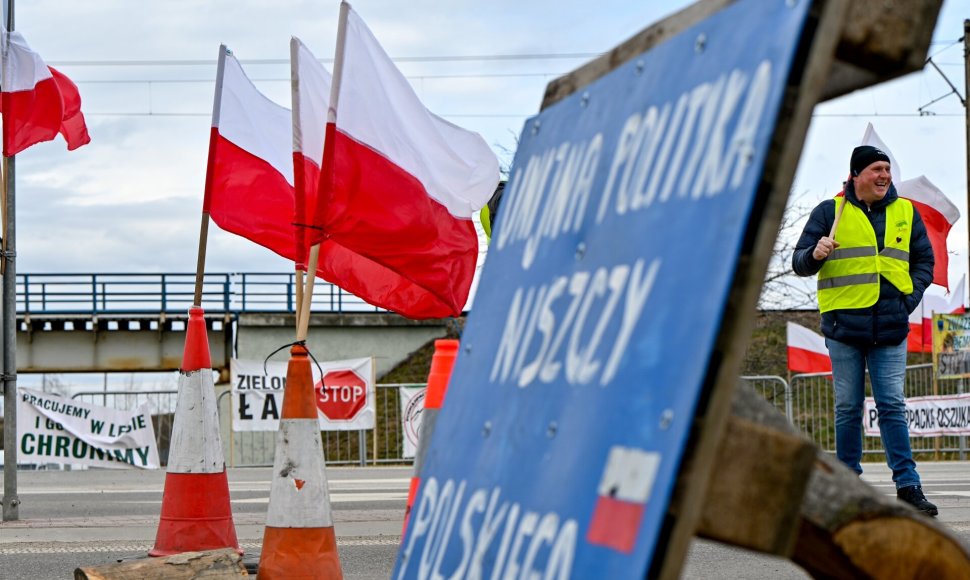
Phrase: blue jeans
(887, 372)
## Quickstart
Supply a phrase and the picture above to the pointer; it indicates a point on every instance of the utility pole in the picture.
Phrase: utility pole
(966, 111)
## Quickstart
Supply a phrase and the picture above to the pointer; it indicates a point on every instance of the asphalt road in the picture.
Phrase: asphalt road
(81, 518)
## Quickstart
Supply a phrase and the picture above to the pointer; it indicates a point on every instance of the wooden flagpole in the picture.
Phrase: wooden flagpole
(204, 231)
(298, 179)
(838, 216)
(338, 70)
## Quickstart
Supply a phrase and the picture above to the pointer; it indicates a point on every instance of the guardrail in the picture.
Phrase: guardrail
(173, 293)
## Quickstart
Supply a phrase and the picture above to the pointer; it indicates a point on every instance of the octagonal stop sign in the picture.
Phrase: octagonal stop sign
(341, 395)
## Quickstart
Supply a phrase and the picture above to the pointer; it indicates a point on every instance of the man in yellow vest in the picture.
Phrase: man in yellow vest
(873, 260)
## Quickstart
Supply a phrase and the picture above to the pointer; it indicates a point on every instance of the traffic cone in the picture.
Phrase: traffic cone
(443, 361)
(299, 540)
(196, 514)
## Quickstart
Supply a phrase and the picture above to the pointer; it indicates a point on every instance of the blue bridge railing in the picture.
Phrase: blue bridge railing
(173, 293)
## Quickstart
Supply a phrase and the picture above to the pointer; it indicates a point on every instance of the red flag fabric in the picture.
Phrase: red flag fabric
(398, 190)
(37, 101)
(73, 128)
(938, 214)
(807, 352)
(249, 180)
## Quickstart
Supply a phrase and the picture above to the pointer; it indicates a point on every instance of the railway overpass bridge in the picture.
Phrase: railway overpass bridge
(126, 322)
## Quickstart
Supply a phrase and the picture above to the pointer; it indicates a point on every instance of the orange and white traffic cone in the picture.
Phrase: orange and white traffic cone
(442, 362)
(196, 514)
(299, 540)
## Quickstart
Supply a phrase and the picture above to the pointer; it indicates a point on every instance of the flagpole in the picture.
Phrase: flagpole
(204, 231)
(11, 503)
(338, 72)
(838, 215)
(299, 180)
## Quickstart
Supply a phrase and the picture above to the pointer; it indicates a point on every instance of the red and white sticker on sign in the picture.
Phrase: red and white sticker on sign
(623, 492)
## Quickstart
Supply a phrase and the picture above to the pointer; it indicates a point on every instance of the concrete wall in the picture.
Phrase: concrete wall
(56, 345)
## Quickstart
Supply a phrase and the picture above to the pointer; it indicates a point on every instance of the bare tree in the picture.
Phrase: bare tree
(782, 289)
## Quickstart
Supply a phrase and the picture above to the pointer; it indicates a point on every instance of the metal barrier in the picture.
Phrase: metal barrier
(813, 411)
(93, 294)
(808, 401)
(258, 448)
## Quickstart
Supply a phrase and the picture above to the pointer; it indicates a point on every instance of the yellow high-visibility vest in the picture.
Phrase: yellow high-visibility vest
(850, 276)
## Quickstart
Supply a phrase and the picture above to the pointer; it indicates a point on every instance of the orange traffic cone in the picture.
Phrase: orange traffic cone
(299, 540)
(443, 361)
(196, 514)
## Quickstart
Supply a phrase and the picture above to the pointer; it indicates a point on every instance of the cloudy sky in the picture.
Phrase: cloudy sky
(130, 201)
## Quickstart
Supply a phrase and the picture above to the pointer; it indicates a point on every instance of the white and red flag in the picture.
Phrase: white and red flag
(937, 211)
(37, 101)
(398, 188)
(807, 352)
(249, 181)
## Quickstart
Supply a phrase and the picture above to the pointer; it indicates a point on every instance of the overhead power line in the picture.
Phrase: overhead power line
(286, 61)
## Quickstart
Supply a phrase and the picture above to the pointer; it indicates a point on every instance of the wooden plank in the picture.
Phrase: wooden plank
(758, 513)
(876, 44)
(646, 39)
(214, 564)
(880, 44)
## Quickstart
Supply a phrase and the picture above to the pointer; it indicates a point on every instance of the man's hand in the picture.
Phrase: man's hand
(824, 247)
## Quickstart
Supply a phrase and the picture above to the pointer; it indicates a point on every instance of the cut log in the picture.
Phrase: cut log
(847, 529)
(213, 564)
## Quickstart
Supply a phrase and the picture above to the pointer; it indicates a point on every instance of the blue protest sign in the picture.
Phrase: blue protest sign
(568, 412)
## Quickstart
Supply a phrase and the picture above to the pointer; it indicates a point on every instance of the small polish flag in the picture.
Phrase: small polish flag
(807, 352)
(623, 493)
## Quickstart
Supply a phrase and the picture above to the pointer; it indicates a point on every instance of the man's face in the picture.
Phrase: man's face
(872, 183)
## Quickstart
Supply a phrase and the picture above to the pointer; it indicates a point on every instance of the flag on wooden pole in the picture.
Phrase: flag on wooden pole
(249, 182)
(398, 188)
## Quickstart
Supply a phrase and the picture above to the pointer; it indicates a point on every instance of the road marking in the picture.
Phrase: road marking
(122, 546)
(341, 485)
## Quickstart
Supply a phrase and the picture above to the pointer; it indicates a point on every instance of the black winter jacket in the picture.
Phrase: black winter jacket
(887, 321)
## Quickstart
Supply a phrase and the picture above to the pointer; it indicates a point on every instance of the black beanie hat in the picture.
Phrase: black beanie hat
(865, 155)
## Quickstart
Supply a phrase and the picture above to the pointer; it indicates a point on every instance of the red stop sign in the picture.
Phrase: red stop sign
(341, 395)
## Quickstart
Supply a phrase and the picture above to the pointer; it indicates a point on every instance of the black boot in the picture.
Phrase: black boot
(913, 495)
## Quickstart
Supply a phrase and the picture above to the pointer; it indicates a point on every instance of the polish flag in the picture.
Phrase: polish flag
(806, 351)
(398, 188)
(249, 180)
(622, 498)
(939, 214)
(311, 97)
(937, 211)
(37, 101)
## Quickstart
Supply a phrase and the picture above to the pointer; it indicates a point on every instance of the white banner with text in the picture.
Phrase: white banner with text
(927, 416)
(344, 394)
(55, 429)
